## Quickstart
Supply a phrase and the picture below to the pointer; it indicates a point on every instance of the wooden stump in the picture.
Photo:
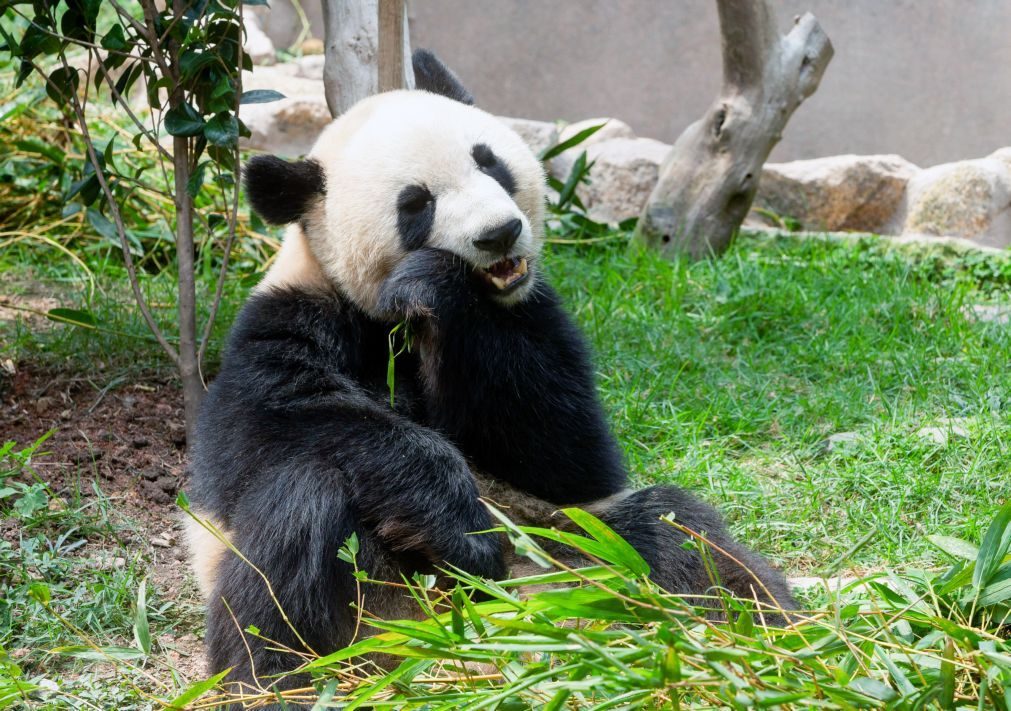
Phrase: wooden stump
(367, 46)
(709, 179)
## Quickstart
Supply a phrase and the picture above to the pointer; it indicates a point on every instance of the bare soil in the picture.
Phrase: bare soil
(130, 440)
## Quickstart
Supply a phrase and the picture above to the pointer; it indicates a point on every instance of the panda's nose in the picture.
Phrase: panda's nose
(500, 239)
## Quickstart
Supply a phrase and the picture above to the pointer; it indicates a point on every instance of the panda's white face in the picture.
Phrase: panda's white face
(411, 169)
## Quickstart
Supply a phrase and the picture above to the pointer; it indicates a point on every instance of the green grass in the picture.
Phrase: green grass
(726, 377)
(72, 615)
(35, 279)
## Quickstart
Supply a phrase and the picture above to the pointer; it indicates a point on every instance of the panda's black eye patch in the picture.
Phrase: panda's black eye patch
(491, 166)
(414, 199)
(415, 216)
(484, 156)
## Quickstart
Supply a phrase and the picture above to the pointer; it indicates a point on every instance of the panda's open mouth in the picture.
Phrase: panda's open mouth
(506, 274)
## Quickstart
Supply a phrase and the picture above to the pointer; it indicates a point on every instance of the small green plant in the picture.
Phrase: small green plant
(568, 221)
(187, 59)
(77, 616)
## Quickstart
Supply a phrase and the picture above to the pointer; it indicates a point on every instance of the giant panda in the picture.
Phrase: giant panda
(413, 208)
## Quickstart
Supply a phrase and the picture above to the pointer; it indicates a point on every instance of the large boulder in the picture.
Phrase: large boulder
(846, 192)
(538, 135)
(623, 175)
(970, 199)
(288, 127)
(1003, 155)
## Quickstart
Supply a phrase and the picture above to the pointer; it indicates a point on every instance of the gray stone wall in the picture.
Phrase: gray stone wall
(927, 79)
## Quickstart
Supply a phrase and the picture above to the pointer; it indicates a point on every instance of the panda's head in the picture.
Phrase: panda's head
(400, 171)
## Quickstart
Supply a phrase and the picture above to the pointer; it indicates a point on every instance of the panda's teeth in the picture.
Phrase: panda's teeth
(506, 272)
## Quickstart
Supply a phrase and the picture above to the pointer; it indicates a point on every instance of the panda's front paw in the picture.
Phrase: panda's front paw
(424, 284)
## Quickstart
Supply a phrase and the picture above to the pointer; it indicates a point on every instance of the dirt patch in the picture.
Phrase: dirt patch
(129, 438)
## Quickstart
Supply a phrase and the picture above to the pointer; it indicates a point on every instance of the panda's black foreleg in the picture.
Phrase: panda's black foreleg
(290, 533)
(404, 490)
(511, 385)
(679, 569)
(416, 491)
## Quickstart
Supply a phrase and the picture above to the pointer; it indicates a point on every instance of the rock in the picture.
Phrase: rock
(258, 45)
(969, 199)
(310, 66)
(846, 192)
(840, 440)
(1003, 155)
(623, 175)
(312, 46)
(538, 135)
(933, 434)
(945, 431)
(613, 128)
(288, 127)
(561, 165)
(44, 403)
(164, 540)
(990, 313)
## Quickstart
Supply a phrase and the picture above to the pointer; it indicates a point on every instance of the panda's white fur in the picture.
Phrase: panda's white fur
(350, 236)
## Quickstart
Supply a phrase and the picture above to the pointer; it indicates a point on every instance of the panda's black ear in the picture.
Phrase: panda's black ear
(281, 192)
(432, 75)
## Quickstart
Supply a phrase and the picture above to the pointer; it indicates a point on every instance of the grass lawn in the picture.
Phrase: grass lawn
(729, 378)
(838, 400)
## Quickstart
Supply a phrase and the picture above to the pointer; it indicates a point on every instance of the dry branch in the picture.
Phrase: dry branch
(710, 177)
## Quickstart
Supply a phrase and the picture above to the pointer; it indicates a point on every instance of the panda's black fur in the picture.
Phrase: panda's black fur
(300, 445)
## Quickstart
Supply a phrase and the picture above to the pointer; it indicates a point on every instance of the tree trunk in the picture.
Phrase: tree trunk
(710, 177)
(367, 47)
(189, 364)
(189, 369)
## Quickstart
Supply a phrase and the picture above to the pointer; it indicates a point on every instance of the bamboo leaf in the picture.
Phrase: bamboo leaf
(569, 143)
(619, 550)
(195, 691)
(955, 547)
(74, 317)
(141, 628)
(994, 547)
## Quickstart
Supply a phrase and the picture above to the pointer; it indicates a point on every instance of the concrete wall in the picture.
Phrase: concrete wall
(928, 79)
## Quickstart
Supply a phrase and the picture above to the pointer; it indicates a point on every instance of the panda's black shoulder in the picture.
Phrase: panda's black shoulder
(278, 313)
(290, 316)
(290, 337)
